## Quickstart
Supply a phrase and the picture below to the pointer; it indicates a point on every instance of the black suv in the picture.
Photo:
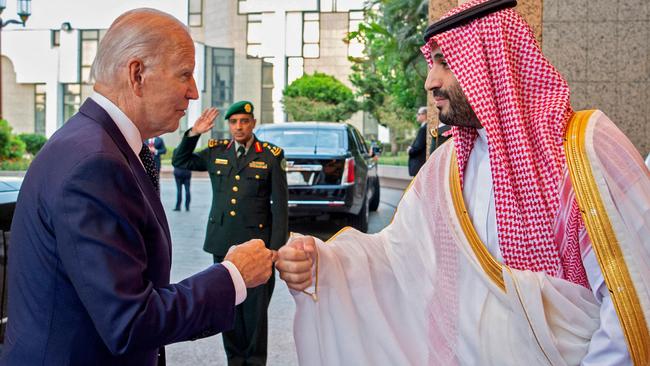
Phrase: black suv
(330, 169)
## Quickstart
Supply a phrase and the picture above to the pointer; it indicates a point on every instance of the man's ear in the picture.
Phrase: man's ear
(136, 76)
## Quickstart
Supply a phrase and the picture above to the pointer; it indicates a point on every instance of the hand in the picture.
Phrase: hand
(295, 262)
(253, 260)
(152, 149)
(205, 122)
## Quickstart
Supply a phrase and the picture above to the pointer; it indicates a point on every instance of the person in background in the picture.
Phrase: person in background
(439, 136)
(89, 270)
(183, 178)
(418, 149)
(249, 200)
(157, 147)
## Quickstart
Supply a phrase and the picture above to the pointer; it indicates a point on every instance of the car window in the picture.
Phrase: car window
(362, 142)
(303, 138)
(352, 141)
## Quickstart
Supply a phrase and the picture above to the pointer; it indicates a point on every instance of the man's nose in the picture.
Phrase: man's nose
(192, 91)
(433, 81)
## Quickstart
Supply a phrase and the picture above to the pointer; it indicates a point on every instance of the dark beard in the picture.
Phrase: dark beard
(460, 113)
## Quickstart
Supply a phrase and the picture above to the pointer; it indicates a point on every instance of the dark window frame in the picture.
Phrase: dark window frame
(40, 129)
(302, 50)
(190, 13)
(97, 37)
(65, 93)
(248, 21)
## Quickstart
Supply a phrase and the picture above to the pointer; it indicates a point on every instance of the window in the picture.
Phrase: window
(324, 139)
(222, 81)
(55, 39)
(363, 148)
(355, 48)
(311, 35)
(295, 68)
(254, 35)
(71, 100)
(340, 6)
(266, 107)
(195, 13)
(39, 109)
(89, 43)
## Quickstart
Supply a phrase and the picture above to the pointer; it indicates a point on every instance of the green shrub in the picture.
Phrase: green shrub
(400, 159)
(318, 97)
(15, 149)
(19, 164)
(5, 137)
(10, 146)
(33, 142)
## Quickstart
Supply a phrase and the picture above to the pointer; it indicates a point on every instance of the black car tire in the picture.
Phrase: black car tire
(374, 201)
(360, 221)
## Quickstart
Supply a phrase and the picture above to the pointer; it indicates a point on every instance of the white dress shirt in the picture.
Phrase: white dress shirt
(134, 139)
(607, 345)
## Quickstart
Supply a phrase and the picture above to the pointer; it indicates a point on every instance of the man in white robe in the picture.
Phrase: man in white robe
(525, 242)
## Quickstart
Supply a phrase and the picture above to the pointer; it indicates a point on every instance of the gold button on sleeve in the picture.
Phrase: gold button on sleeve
(233, 213)
(235, 189)
(237, 177)
(233, 201)
(257, 176)
(261, 226)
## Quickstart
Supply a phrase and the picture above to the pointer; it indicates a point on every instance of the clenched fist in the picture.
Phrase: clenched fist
(295, 262)
(253, 260)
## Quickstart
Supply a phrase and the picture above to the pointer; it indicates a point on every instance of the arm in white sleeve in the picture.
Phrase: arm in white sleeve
(608, 346)
(237, 281)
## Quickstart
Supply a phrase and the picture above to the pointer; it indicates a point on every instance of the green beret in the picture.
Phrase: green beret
(242, 106)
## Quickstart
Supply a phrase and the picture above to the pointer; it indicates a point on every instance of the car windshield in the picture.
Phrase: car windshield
(312, 140)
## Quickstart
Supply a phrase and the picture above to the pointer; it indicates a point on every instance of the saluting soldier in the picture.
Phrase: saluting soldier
(249, 200)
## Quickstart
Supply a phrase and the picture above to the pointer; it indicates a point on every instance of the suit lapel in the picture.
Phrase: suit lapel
(93, 111)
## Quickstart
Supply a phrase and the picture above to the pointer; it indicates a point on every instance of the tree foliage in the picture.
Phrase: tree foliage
(10, 146)
(33, 142)
(318, 97)
(390, 77)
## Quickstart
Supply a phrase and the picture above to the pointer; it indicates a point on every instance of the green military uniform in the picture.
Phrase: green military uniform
(242, 191)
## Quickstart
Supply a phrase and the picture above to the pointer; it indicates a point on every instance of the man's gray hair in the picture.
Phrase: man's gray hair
(422, 110)
(140, 33)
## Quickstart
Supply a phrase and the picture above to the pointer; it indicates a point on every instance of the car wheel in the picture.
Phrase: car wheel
(374, 201)
(360, 221)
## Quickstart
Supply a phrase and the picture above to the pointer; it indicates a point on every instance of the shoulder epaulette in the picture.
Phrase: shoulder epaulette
(214, 142)
(275, 150)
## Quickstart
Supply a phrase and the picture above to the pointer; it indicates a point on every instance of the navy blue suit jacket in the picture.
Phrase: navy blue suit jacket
(418, 152)
(90, 259)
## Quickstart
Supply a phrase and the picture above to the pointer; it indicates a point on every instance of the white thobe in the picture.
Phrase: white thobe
(608, 346)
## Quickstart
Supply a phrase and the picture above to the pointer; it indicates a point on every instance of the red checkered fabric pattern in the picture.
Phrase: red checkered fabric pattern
(523, 103)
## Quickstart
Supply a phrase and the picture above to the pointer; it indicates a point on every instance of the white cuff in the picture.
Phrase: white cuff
(237, 281)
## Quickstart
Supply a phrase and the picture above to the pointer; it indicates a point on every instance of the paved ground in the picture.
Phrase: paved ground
(188, 229)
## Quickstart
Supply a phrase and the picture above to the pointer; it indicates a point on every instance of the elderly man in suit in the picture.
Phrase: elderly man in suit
(91, 249)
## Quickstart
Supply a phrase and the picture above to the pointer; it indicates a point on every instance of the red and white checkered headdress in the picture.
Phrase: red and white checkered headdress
(523, 103)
